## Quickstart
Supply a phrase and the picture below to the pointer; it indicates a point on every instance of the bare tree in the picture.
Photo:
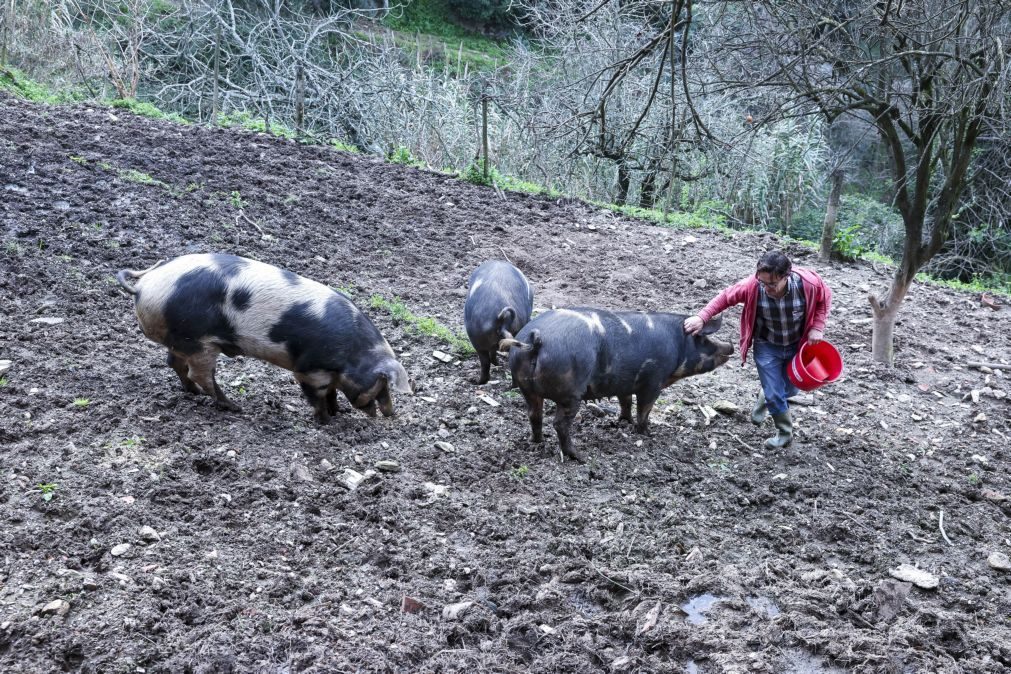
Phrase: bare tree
(932, 75)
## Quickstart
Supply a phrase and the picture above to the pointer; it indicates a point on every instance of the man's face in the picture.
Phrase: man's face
(775, 286)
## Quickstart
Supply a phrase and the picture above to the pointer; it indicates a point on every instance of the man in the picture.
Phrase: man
(784, 307)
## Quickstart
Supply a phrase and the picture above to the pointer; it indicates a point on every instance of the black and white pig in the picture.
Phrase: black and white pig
(202, 305)
(570, 355)
(499, 303)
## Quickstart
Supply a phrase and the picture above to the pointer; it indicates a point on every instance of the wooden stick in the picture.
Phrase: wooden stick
(992, 366)
(940, 525)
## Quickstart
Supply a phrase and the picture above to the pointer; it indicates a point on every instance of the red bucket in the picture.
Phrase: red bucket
(815, 365)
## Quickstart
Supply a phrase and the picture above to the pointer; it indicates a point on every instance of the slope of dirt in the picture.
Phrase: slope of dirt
(692, 549)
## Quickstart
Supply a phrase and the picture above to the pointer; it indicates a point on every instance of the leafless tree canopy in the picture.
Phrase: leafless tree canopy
(744, 108)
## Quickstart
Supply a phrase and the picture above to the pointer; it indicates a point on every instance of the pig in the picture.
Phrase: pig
(569, 355)
(201, 305)
(499, 303)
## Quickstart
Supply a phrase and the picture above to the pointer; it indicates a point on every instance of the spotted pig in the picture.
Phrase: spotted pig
(201, 305)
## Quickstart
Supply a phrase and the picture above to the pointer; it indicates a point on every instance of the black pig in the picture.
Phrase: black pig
(499, 303)
(569, 355)
(202, 305)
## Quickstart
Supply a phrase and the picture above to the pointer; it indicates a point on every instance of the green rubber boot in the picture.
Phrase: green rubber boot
(784, 434)
(759, 412)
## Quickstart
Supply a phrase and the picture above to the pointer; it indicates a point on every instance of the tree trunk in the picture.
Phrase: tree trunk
(831, 212)
(885, 314)
(647, 193)
(624, 180)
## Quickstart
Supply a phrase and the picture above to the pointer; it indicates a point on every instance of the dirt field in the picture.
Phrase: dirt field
(691, 550)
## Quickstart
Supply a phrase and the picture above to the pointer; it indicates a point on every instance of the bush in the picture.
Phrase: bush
(485, 12)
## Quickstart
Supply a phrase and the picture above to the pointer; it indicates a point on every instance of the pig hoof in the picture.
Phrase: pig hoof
(575, 455)
(482, 380)
(228, 406)
(538, 438)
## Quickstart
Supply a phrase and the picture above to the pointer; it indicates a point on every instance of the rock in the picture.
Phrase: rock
(444, 357)
(725, 407)
(806, 399)
(325, 465)
(149, 534)
(918, 577)
(993, 495)
(700, 283)
(301, 472)
(386, 466)
(453, 611)
(903, 397)
(490, 401)
(694, 556)
(5, 365)
(621, 664)
(90, 583)
(596, 410)
(428, 399)
(350, 479)
(999, 561)
(979, 418)
(47, 320)
(120, 550)
(58, 607)
(436, 489)
(444, 446)
(411, 605)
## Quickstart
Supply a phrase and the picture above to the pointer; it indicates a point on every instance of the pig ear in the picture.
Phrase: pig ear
(398, 379)
(712, 326)
(365, 397)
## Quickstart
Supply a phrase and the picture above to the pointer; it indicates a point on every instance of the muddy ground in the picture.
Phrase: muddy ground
(692, 549)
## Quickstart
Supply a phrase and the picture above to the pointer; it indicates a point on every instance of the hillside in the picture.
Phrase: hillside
(688, 550)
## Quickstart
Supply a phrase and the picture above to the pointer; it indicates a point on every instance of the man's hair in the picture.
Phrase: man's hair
(775, 262)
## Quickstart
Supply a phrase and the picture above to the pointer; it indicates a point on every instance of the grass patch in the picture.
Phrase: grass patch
(145, 109)
(244, 120)
(423, 28)
(709, 214)
(422, 325)
(15, 81)
(81, 402)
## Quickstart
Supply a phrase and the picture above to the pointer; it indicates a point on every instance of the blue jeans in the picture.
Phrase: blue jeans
(772, 361)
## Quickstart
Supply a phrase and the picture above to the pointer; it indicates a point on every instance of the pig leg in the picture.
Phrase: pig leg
(182, 368)
(644, 405)
(565, 414)
(201, 370)
(331, 400)
(535, 411)
(317, 395)
(626, 408)
(485, 367)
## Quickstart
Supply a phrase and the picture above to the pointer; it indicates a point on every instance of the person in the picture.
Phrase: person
(784, 307)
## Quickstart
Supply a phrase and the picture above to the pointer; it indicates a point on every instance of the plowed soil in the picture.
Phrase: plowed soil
(692, 549)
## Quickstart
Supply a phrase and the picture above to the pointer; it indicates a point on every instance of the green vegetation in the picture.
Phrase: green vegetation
(81, 402)
(14, 81)
(423, 28)
(246, 121)
(48, 490)
(339, 144)
(235, 199)
(135, 176)
(145, 109)
(3, 382)
(403, 156)
(519, 472)
(422, 325)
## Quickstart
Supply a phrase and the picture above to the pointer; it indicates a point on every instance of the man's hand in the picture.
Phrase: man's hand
(813, 337)
(693, 325)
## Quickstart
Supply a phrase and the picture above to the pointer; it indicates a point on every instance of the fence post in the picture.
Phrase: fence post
(484, 132)
(299, 100)
(217, 74)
